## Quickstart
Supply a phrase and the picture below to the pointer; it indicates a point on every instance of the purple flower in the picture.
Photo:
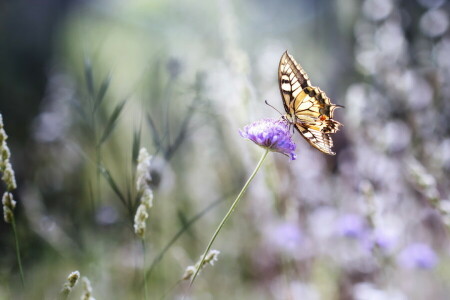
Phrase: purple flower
(352, 226)
(379, 239)
(285, 236)
(271, 134)
(418, 255)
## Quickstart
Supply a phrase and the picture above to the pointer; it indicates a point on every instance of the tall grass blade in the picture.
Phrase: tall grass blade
(102, 92)
(155, 135)
(136, 146)
(112, 183)
(111, 124)
(180, 232)
(89, 77)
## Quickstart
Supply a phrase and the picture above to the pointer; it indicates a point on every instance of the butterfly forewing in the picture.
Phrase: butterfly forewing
(292, 80)
(308, 108)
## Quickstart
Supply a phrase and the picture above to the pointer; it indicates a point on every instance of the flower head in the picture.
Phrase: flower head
(271, 134)
(8, 207)
(87, 289)
(419, 256)
(351, 226)
(5, 164)
(380, 240)
(72, 280)
(285, 236)
(143, 170)
(139, 220)
(210, 258)
(143, 187)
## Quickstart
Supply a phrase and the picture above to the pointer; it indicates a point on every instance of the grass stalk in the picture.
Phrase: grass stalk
(228, 214)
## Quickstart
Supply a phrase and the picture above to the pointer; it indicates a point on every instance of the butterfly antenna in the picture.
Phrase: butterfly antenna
(267, 103)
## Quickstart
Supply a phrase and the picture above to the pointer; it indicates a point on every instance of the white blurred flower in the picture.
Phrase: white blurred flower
(140, 220)
(87, 289)
(143, 176)
(377, 10)
(72, 280)
(431, 3)
(434, 23)
(367, 291)
(210, 258)
(5, 164)
(8, 207)
(284, 236)
(417, 256)
(143, 179)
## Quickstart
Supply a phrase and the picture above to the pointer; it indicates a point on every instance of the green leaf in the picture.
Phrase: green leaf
(102, 92)
(111, 124)
(89, 77)
(182, 230)
(184, 221)
(112, 183)
(136, 145)
(155, 134)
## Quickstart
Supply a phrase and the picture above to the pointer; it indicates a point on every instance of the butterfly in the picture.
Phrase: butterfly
(307, 107)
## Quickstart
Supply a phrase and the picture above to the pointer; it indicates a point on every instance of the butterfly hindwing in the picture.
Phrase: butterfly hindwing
(308, 107)
(316, 138)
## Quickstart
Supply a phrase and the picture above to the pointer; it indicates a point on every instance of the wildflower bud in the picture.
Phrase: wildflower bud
(72, 280)
(189, 272)
(3, 135)
(87, 289)
(9, 178)
(139, 220)
(6, 154)
(143, 178)
(147, 198)
(5, 165)
(8, 207)
(210, 258)
(143, 170)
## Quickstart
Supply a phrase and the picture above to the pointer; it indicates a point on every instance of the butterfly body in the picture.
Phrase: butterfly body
(307, 107)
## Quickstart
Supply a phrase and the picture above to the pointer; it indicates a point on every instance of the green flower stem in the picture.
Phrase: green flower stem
(19, 261)
(145, 273)
(225, 218)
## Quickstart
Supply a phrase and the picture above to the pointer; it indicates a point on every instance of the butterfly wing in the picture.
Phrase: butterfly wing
(312, 109)
(292, 79)
(316, 138)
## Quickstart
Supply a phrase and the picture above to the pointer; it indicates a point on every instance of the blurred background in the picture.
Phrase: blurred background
(83, 84)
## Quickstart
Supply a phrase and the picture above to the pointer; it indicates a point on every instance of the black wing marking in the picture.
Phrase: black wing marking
(316, 138)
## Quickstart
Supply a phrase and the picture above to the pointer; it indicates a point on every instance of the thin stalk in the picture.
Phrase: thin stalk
(19, 261)
(225, 218)
(145, 273)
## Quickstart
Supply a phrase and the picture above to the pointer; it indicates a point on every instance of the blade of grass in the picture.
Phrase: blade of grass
(89, 77)
(136, 147)
(111, 124)
(102, 92)
(184, 221)
(180, 232)
(112, 183)
(155, 134)
(130, 206)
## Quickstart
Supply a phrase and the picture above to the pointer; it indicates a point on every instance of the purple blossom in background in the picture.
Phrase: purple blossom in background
(271, 134)
(351, 226)
(285, 236)
(381, 240)
(419, 256)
